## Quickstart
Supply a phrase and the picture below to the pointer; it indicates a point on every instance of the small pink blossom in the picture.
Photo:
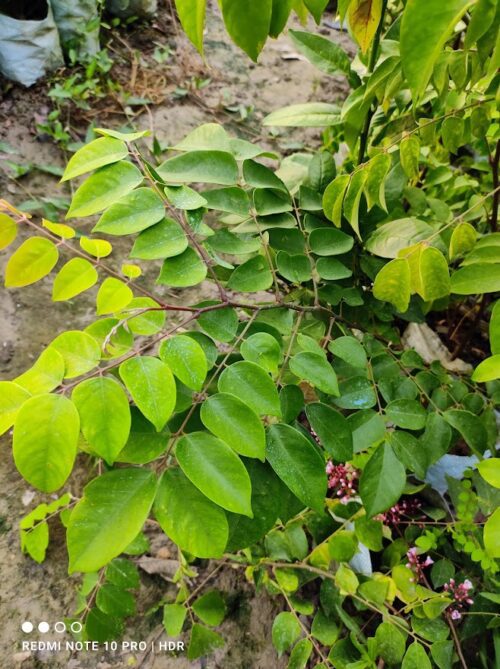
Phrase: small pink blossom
(417, 564)
(342, 480)
(461, 596)
(404, 509)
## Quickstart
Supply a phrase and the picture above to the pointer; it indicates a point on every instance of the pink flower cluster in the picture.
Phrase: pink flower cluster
(343, 480)
(461, 596)
(417, 564)
(404, 509)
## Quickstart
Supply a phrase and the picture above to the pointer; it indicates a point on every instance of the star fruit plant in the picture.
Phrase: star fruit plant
(271, 417)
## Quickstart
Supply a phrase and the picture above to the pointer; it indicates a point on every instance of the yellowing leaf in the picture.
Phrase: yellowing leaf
(76, 276)
(409, 151)
(490, 471)
(12, 397)
(364, 18)
(8, 230)
(59, 229)
(434, 274)
(33, 260)
(463, 240)
(113, 295)
(100, 248)
(131, 271)
(392, 284)
(487, 370)
(492, 535)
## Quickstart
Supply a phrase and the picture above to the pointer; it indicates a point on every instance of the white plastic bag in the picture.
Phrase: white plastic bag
(28, 48)
(78, 24)
(125, 8)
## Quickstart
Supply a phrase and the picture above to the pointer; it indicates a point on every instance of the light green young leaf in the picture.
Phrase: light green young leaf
(80, 352)
(8, 230)
(174, 616)
(222, 478)
(487, 370)
(382, 481)
(45, 441)
(491, 535)
(298, 464)
(409, 152)
(212, 167)
(326, 55)
(353, 198)
(230, 419)
(76, 276)
(308, 115)
(210, 608)
(315, 369)
(113, 295)
(333, 198)
(46, 374)
(184, 197)
(181, 271)
(192, 17)
(139, 209)
(12, 397)
(392, 284)
(285, 632)
(378, 169)
(33, 260)
(163, 240)
(152, 387)
(463, 239)
(434, 274)
(494, 328)
(104, 415)
(239, 15)
(253, 386)
(103, 188)
(426, 26)
(191, 520)
(490, 471)
(98, 153)
(110, 515)
(186, 359)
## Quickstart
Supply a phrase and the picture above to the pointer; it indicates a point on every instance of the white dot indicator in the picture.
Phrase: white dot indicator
(43, 627)
(60, 627)
(27, 627)
(76, 627)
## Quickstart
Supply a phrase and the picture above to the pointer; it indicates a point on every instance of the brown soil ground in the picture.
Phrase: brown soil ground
(29, 321)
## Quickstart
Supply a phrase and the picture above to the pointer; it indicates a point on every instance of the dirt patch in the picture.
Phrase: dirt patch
(239, 94)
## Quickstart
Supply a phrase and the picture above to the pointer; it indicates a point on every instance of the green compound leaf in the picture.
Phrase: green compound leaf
(163, 240)
(76, 276)
(191, 520)
(315, 368)
(393, 284)
(104, 415)
(251, 276)
(110, 515)
(253, 386)
(298, 464)
(330, 242)
(239, 15)
(80, 352)
(12, 397)
(212, 167)
(192, 17)
(408, 414)
(285, 632)
(333, 430)
(186, 359)
(203, 641)
(134, 212)
(222, 478)
(45, 441)
(476, 279)
(113, 295)
(382, 481)
(184, 270)
(103, 188)
(425, 28)
(98, 153)
(152, 387)
(34, 259)
(326, 55)
(230, 419)
(210, 608)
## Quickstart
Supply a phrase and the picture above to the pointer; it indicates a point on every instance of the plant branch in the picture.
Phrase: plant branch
(494, 162)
